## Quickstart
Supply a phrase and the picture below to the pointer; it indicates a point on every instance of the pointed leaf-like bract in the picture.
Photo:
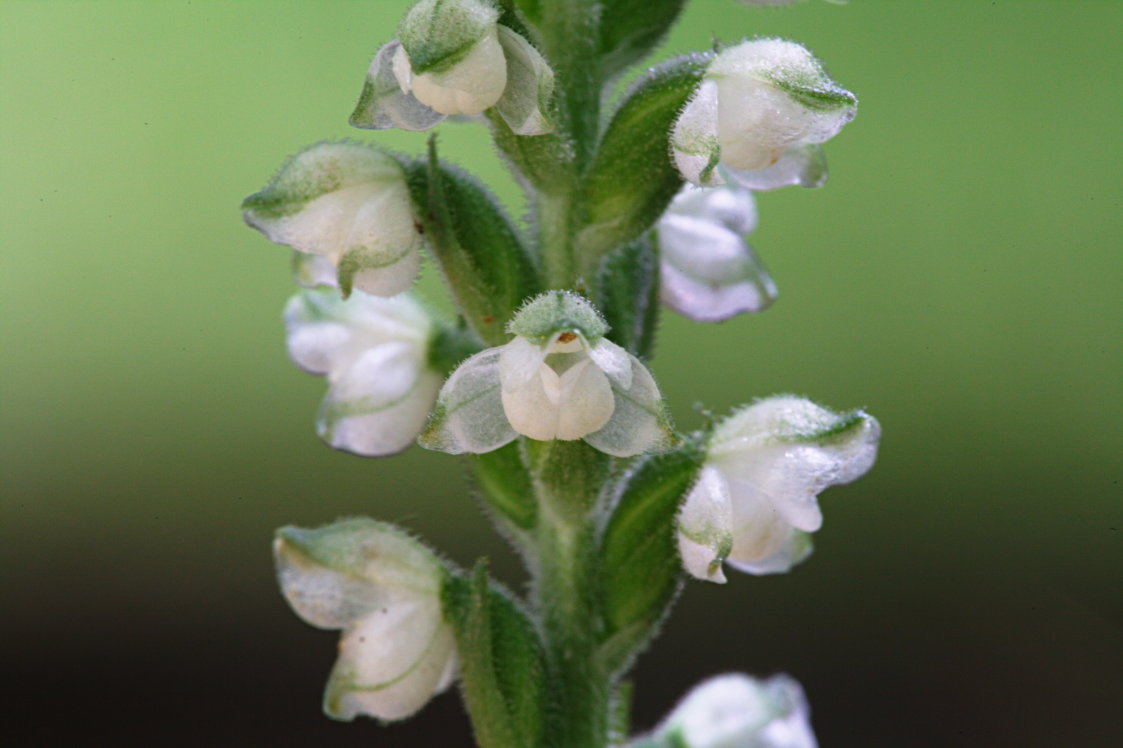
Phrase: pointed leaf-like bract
(633, 179)
(628, 296)
(503, 672)
(486, 267)
(641, 571)
(630, 29)
(506, 485)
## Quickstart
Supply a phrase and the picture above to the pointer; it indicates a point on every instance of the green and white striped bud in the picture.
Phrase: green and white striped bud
(350, 204)
(558, 378)
(755, 499)
(383, 589)
(758, 101)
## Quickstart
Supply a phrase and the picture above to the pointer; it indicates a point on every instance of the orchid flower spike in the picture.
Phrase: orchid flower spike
(761, 112)
(383, 589)
(736, 711)
(708, 271)
(754, 503)
(454, 58)
(375, 355)
(349, 204)
(558, 378)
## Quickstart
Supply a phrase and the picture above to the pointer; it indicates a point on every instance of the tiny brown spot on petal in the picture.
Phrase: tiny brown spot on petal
(566, 337)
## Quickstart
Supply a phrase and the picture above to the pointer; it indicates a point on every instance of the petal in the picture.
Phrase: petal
(705, 526)
(470, 86)
(586, 403)
(317, 338)
(805, 166)
(530, 85)
(385, 104)
(758, 530)
(639, 421)
(376, 426)
(694, 142)
(704, 301)
(310, 271)
(519, 362)
(533, 409)
(795, 549)
(614, 361)
(391, 663)
(469, 415)
(380, 251)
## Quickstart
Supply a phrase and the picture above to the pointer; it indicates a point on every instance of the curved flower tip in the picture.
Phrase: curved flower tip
(382, 588)
(760, 112)
(349, 204)
(558, 378)
(374, 353)
(709, 272)
(755, 502)
(736, 711)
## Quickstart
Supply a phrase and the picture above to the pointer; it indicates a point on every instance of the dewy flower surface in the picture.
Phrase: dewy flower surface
(383, 589)
(374, 353)
(708, 272)
(558, 378)
(761, 102)
(350, 204)
(755, 499)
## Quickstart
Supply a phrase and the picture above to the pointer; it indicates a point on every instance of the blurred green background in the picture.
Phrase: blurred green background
(960, 276)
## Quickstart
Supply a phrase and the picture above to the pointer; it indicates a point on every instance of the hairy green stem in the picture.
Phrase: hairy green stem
(567, 477)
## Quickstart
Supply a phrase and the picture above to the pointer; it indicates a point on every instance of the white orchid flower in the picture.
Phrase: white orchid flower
(558, 378)
(383, 589)
(708, 271)
(754, 502)
(374, 353)
(761, 111)
(454, 58)
(736, 711)
(349, 204)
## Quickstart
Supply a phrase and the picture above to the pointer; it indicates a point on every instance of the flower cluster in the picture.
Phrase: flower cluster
(547, 351)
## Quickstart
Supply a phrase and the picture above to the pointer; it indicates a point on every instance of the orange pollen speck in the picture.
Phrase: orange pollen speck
(565, 337)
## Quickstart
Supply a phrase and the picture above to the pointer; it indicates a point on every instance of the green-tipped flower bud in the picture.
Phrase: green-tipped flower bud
(759, 100)
(450, 57)
(755, 499)
(383, 589)
(350, 204)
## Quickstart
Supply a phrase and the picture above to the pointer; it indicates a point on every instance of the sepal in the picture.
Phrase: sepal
(384, 105)
(525, 103)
